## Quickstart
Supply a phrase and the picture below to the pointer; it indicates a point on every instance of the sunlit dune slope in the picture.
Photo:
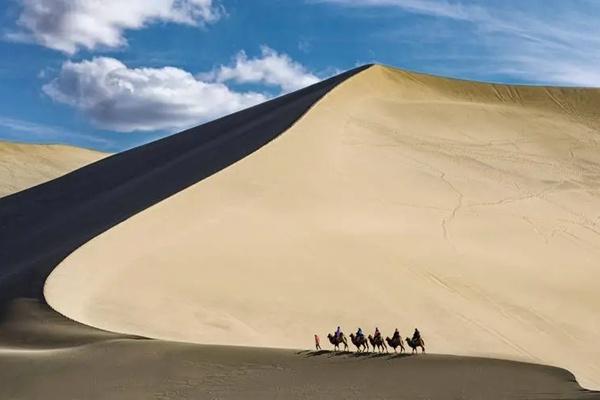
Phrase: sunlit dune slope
(469, 210)
(25, 165)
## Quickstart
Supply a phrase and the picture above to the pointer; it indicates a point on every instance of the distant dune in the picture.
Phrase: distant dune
(377, 198)
(26, 165)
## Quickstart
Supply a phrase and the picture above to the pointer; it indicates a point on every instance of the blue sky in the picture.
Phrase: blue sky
(111, 75)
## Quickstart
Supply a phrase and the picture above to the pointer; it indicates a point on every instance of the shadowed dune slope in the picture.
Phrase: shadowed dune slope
(42, 225)
(469, 210)
(25, 165)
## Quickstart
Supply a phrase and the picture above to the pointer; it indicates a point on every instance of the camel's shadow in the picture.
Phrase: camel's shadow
(354, 354)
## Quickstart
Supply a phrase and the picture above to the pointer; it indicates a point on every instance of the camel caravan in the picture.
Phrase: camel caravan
(376, 341)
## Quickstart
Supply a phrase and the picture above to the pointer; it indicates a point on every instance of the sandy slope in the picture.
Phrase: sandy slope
(468, 210)
(67, 360)
(25, 165)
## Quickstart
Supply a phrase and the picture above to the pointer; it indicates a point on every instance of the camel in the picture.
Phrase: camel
(415, 344)
(361, 342)
(337, 341)
(378, 343)
(394, 343)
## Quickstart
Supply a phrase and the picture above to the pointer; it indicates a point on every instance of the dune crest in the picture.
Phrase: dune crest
(469, 210)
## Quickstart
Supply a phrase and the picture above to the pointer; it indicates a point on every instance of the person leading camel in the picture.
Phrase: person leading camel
(317, 342)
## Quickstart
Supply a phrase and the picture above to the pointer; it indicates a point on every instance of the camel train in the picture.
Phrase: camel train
(377, 342)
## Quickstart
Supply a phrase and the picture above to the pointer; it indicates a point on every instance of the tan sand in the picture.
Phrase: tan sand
(400, 200)
(44, 356)
(25, 165)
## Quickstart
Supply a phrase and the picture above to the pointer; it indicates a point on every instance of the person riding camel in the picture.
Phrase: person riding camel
(360, 334)
(377, 333)
(416, 336)
(396, 334)
(338, 333)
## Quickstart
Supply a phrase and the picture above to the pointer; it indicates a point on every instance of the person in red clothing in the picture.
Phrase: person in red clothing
(317, 342)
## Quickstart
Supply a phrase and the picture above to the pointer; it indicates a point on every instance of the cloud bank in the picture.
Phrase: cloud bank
(69, 25)
(125, 99)
(116, 97)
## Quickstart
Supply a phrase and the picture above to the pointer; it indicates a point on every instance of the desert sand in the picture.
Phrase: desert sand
(67, 360)
(26, 165)
(469, 210)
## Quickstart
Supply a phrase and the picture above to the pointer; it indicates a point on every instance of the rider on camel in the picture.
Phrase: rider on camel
(377, 333)
(338, 332)
(396, 334)
(359, 333)
(416, 336)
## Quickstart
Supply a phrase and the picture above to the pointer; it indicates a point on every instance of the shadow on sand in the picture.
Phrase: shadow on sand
(330, 353)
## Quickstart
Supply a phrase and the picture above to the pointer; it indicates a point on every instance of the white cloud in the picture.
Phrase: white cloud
(125, 99)
(271, 68)
(68, 25)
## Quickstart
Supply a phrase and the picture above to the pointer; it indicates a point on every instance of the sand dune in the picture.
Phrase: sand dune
(26, 165)
(399, 200)
(67, 360)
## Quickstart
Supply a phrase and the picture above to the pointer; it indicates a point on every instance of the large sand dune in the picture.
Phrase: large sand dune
(399, 200)
(26, 165)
